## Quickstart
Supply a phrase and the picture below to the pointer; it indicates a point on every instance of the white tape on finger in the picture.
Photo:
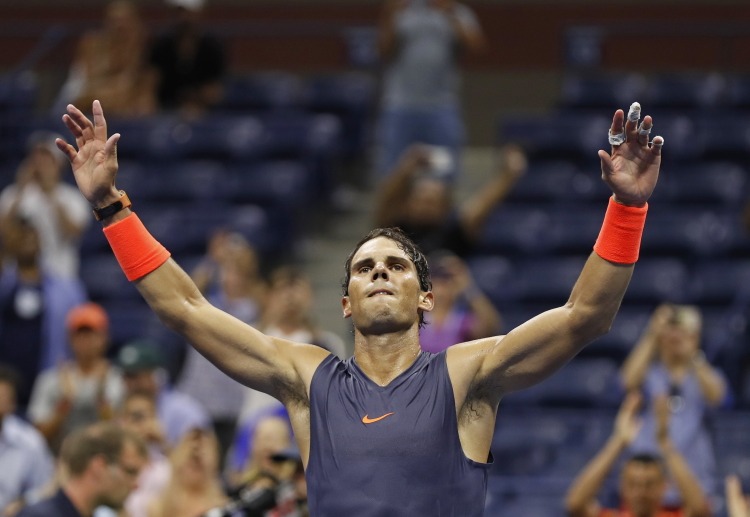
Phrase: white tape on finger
(634, 113)
(616, 138)
(644, 131)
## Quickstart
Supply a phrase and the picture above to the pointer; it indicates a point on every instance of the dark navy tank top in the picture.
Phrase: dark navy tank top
(389, 451)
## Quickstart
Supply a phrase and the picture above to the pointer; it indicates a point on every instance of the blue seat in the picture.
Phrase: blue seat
(656, 280)
(685, 91)
(582, 383)
(190, 181)
(545, 181)
(261, 91)
(725, 137)
(689, 231)
(717, 182)
(495, 274)
(130, 320)
(513, 230)
(720, 281)
(104, 280)
(287, 183)
(548, 280)
(602, 90)
(738, 91)
(629, 324)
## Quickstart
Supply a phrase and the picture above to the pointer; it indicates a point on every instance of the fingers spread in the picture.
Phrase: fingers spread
(66, 148)
(617, 130)
(87, 128)
(606, 160)
(657, 145)
(110, 148)
(631, 126)
(100, 125)
(644, 130)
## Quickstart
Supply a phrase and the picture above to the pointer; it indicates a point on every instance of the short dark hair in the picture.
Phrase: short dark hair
(101, 439)
(10, 375)
(406, 245)
(646, 458)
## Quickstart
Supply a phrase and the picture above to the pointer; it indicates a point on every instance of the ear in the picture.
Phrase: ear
(346, 306)
(426, 301)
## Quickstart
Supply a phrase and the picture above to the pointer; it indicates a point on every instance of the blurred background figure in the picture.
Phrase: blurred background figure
(190, 64)
(420, 42)
(462, 311)
(644, 477)
(138, 415)
(101, 464)
(110, 65)
(195, 486)
(738, 504)
(81, 391)
(142, 370)
(34, 303)
(56, 209)
(667, 361)
(288, 313)
(230, 278)
(416, 200)
(27, 465)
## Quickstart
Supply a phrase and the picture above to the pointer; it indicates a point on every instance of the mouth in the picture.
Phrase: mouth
(380, 292)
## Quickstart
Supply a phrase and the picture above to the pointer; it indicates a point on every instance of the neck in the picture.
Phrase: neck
(384, 357)
(78, 493)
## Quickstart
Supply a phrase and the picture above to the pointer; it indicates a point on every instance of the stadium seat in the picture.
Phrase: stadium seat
(261, 91)
(605, 91)
(685, 91)
(104, 280)
(286, 183)
(657, 280)
(720, 281)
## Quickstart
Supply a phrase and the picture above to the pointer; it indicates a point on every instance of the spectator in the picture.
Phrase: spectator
(737, 503)
(34, 303)
(189, 62)
(26, 462)
(419, 203)
(84, 390)
(462, 311)
(57, 211)
(230, 277)
(141, 365)
(102, 463)
(271, 435)
(288, 313)
(643, 478)
(138, 415)
(420, 42)
(667, 360)
(110, 65)
(195, 486)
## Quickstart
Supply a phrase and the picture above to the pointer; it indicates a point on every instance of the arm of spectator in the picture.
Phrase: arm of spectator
(387, 38)
(711, 382)
(580, 501)
(487, 319)
(465, 25)
(51, 401)
(476, 210)
(694, 500)
(636, 365)
(737, 503)
(390, 200)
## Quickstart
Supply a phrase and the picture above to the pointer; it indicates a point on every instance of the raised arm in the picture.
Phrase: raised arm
(580, 501)
(274, 366)
(539, 347)
(475, 211)
(694, 500)
(394, 192)
(636, 364)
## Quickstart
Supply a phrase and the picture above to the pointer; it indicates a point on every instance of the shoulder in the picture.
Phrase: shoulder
(23, 434)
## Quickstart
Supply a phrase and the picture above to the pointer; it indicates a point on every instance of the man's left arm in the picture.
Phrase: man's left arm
(542, 345)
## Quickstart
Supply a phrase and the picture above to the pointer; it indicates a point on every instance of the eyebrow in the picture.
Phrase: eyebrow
(390, 259)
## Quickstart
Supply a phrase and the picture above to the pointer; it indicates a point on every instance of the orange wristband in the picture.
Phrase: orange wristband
(136, 250)
(620, 237)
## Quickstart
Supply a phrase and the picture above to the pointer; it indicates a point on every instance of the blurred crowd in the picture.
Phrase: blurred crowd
(92, 427)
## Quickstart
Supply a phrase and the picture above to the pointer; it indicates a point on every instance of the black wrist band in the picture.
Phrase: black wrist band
(110, 210)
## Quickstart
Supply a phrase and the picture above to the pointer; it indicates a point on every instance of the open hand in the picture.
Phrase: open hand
(632, 168)
(94, 163)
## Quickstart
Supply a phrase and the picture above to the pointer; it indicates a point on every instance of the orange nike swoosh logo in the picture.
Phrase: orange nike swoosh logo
(367, 420)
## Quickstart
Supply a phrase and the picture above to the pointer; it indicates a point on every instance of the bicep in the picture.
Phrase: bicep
(530, 353)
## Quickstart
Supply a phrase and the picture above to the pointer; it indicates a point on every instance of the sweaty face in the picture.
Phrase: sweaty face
(641, 487)
(384, 293)
(88, 344)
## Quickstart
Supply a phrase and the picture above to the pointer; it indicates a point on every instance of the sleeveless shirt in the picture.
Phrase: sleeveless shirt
(389, 451)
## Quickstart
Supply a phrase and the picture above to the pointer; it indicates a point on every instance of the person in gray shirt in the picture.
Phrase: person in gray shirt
(420, 42)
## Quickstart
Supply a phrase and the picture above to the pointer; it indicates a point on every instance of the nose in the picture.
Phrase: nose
(379, 271)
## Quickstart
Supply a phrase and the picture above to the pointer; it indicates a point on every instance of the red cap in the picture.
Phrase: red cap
(89, 315)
